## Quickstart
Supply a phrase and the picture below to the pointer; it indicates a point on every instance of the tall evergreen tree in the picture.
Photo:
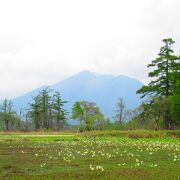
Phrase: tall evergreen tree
(58, 107)
(35, 112)
(45, 103)
(164, 67)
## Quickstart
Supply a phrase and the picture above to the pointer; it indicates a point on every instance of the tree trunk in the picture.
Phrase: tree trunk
(37, 121)
(58, 124)
(168, 120)
(7, 124)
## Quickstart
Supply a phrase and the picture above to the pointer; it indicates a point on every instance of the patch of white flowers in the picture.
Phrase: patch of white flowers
(97, 167)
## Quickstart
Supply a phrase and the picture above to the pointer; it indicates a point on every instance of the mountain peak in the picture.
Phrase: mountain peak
(81, 76)
(86, 73)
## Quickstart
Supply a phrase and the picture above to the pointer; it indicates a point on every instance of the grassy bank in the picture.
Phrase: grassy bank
(134, 133)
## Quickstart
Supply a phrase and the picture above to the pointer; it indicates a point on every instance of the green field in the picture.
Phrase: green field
(88, 156)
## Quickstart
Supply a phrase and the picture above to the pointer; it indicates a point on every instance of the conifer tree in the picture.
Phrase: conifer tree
(45, 103)
(35, 112)
(164, 67)
(58, 107)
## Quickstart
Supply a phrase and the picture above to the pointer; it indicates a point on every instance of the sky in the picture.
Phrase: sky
(45, 41)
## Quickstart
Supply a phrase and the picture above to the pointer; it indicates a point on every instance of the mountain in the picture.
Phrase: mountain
(102, 89)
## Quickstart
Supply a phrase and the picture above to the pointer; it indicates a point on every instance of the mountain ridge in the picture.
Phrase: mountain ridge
(103, 89)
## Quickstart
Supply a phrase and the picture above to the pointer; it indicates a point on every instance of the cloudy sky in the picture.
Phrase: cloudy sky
(45, 41)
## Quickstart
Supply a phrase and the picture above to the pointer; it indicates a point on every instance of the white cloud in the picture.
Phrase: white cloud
(43, 41)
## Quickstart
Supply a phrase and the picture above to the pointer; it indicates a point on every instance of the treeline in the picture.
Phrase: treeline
(160, 108)
(45, 112)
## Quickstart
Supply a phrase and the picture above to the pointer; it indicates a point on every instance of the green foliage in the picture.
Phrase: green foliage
(153, 112)
(164, 67)
(89, 115)
(60, 113)
(78, 112)
(166, 70)
(47, 110)
(8, 117)
(175, 103)
(35, 112)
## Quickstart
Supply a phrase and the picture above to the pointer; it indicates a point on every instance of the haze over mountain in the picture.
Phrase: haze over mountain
(102, 89)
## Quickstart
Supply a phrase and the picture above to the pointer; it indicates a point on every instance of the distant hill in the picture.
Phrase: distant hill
(102, 89)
